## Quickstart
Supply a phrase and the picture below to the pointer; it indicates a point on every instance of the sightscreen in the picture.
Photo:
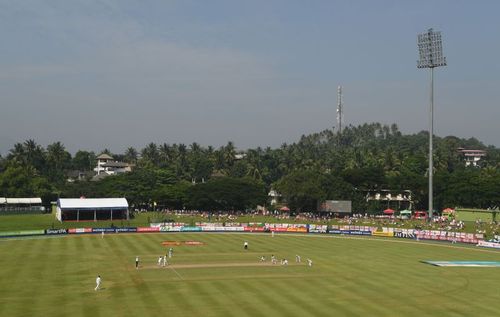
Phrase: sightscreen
(339, 206)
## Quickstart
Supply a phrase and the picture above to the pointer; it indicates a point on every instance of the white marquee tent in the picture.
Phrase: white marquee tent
(92, 209)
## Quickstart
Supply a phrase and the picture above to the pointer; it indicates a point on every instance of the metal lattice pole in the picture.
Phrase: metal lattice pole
(430, 49)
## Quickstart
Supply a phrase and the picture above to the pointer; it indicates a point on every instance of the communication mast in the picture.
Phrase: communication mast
(340, 110)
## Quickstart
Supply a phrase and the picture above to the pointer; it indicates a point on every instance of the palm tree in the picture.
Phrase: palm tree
(35, 154)
(229, 154)
(58, 160)
(18, 154)
(150, 154)
(57, 155)
(131, 155)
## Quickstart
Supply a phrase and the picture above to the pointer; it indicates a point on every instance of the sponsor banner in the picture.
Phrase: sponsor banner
(222, 229)
(237, 228)
(131, 229)
(335, 231)
(318, 228)
(278, 229)
(210, 228)
(361, 233)
(190, 228)
(56, 231)
(383, 234)
(22, 233)
(286, 225)
(488, 244)
(234, 224)
(406, 235)
(350, 232)
(167, 224)
(148, 229)
(80, 230)
(254, 229)
(460, 238)
(209, 224)
(105, 230)
(300, 229)
(170, 229)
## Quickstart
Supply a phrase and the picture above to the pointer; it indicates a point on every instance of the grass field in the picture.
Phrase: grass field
(350, 277)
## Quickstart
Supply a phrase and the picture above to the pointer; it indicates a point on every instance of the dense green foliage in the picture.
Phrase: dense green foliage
(319, 166)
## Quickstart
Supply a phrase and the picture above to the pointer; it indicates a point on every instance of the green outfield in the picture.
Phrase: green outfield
(55, 276)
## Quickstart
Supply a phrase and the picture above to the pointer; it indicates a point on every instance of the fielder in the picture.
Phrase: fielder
(273, 259)
(165, 263)
(98, 283)
(309, 262)
(137, 262)
(245, 245)
(297, 258)
(160, 260)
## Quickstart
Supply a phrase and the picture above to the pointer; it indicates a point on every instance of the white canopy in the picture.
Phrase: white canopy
(35, 200)
(92, 203)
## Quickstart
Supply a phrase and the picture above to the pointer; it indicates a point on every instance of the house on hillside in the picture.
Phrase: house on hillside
(274, 197)
(472, 157)
(106, 165)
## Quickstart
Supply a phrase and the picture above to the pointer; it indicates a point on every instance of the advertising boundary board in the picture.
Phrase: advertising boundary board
(130, 229)
(79, 230)
(350, 232)
(56, 231)
(383, 234)
(22, 233)
(105, 230)
(404, 235)
(148, 229)
(487, 244)
(436, 235)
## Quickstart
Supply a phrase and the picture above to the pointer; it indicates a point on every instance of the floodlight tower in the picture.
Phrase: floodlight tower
(430, 49)
(339, 109)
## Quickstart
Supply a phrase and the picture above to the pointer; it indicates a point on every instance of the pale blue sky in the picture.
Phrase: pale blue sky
(113, 74)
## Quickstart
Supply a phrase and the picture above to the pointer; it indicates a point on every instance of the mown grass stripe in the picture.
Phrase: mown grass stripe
(149, 244)
(237, 298)
(276, 303)
(215, 294)
(302, 298)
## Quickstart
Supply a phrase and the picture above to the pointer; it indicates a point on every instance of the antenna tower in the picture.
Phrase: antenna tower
(340, 109)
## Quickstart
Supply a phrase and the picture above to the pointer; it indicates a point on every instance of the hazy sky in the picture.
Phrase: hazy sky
(113, 74)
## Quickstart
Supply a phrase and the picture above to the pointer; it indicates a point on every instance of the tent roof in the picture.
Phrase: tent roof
(405, 212)
(33, 200)
(389, 211)
(285, 208)
(92, 203)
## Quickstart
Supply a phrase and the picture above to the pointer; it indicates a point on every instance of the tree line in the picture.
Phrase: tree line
(319, 166)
